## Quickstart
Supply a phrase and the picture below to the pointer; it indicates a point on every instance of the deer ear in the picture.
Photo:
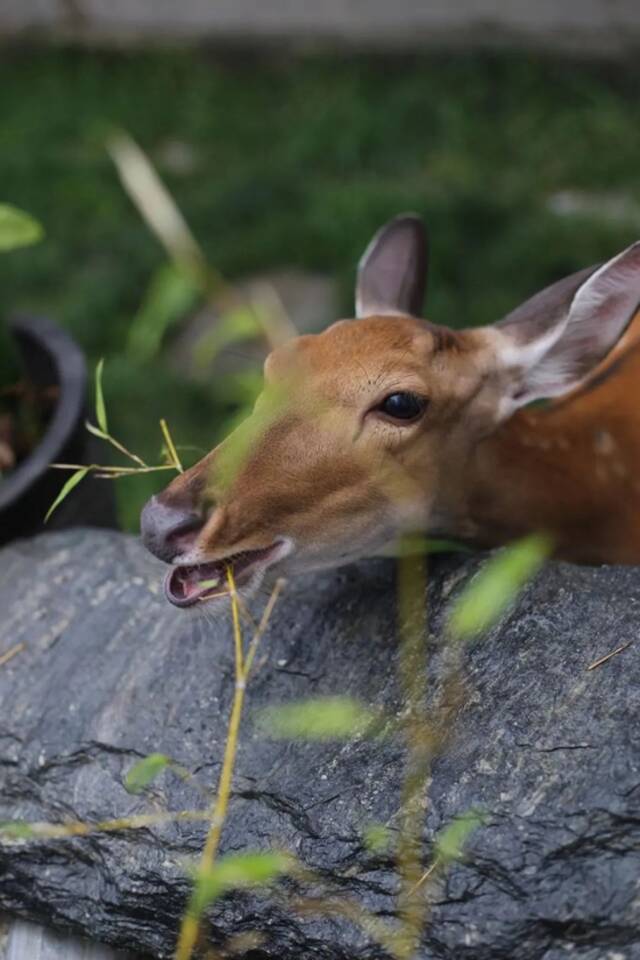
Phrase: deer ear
(554, 340)
(392, 273)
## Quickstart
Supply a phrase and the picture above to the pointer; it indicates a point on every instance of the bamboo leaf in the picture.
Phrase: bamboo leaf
(101, 411)
(450, 841)
(15, 829)
(238, 871)
(496, 585)
(72, 482)
(145, 771)
(96, 431)
(17, 228)
(321, 718)
(171, 295)
(377, 838)
(171, 449)
(232, 327)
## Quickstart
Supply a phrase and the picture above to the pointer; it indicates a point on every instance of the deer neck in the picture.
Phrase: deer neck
(571, 469)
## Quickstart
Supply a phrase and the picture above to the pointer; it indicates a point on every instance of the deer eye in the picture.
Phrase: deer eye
(402, 406)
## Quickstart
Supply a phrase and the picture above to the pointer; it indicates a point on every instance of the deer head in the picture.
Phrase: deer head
(363, 432)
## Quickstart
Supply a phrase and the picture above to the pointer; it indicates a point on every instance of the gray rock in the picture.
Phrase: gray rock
(110, 673)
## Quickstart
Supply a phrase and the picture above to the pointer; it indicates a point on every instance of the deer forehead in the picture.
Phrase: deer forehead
(369, 355)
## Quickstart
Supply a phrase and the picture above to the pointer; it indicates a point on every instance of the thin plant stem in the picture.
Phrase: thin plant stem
(237, 633)
(117, 471)
(121, 447)
(190, 926)
(79, 828)
(173, 453)
(426, 875)
(262, 626)
(11, 653)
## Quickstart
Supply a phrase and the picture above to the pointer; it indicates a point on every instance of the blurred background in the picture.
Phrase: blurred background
(286, 134)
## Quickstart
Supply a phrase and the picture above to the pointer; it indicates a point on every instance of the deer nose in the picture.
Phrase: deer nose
(168, 531)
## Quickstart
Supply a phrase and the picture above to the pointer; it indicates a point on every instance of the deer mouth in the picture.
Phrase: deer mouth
(187, 585)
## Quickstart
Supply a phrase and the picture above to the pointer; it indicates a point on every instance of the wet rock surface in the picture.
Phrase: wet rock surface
(109, 673)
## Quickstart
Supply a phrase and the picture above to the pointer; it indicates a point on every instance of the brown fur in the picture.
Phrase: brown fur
(320, 474)
(572, 468)
(332, 475)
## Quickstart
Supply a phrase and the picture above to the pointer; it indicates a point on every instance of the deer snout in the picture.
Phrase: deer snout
(167, 530)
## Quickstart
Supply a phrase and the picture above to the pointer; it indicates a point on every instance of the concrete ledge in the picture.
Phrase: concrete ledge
(589, 26)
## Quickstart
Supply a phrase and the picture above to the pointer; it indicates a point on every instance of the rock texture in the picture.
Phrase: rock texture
(110, 673)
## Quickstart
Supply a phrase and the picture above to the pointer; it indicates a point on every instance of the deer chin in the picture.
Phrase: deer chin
(188, 584)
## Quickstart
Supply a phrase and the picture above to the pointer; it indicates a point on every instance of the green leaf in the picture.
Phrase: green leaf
(321, 718)
(91, 427)
(101, 411)
(234, 326)
(450, 841)
(496, 586)
(172, 293)
(145, 771)
(15, 829)
(17, 228)
(237, 871)
(377, 838)
(72, 482)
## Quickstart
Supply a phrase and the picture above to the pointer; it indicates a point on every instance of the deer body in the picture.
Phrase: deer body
(387, 424)
(572, 469)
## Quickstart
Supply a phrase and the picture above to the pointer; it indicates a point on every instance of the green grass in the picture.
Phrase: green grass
(297, 162)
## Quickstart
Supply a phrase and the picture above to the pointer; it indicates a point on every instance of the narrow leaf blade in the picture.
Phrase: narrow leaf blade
(101, 411)
(321, 718)
(96, 431)
(72, 482)
(491, 591)
(145, 771)
(237, 871)
(450, 841)
(17, 228)
(15, 829)
(377, 838)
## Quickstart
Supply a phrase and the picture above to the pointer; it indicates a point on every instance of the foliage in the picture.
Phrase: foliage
(109, 472)
(449, 843)
(296, 162)
(438, 135)
(237, 871)
(17, 228)
(495, 587)
(321, 718)
(69, 485)
(145, 771)
(377, 838)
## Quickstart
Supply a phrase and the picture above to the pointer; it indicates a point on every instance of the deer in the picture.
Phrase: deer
(389, 425)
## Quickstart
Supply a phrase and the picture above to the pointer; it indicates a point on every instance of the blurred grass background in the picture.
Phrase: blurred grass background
(524, 169)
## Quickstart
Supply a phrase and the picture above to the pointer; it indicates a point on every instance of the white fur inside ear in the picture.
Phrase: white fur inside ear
(512, 355)
(613, 289)
(525, 361)
(559, 358)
